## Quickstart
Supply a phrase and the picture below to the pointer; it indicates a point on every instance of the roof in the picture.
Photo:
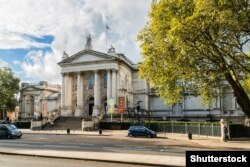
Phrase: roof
(78, 58)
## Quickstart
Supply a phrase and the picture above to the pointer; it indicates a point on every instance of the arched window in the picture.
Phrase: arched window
(90, 81)
(105, 81)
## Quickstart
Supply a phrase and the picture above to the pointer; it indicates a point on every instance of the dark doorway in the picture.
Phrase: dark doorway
(91, 105)
(104, 102)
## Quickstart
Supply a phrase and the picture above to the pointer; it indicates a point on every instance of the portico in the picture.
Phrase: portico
(90, 78)
(98, 83)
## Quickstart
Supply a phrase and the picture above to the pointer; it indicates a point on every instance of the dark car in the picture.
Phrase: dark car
(9, 131)
(140, 131)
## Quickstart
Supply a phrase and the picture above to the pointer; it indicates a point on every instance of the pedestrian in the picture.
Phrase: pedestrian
(226, 137)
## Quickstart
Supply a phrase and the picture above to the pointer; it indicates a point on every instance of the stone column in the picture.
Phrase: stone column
(79, 108)
(114, 84)
(63, 91)
(67, 111)
(97, 92)
(109, 84)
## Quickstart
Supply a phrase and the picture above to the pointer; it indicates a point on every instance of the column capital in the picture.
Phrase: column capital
(114, 70)
(108, 69)
(66, 73)
(79, 72)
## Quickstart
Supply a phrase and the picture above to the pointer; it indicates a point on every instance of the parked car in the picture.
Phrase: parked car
(140, 131)
(9, 131)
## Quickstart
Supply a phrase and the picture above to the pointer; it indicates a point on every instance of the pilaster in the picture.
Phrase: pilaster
(97, 102)
(109, 84)
(114, 83)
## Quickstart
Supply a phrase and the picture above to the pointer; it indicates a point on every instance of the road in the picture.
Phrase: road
(26, 161)
(119, 144)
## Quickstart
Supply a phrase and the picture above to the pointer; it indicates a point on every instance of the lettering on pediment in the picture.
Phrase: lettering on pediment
(88, 57)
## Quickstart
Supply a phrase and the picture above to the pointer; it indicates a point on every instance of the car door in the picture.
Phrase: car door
(137, 131)
(144, 132)
(140, 131)
(3, 131)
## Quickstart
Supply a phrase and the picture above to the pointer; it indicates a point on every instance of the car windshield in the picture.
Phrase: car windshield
(138, 127)
(11, 127)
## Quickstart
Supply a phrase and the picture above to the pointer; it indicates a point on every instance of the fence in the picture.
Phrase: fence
(207, 129)
(194, 128)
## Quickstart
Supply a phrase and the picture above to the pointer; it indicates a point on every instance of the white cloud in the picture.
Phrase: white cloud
(68, 21)
(16, 62)
(3, 63)
(42, 66)
(10, 40)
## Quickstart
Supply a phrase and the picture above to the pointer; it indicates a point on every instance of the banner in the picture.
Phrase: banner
(121, 105)
(111, 105)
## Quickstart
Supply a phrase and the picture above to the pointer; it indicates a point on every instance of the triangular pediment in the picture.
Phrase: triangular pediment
(87, 56)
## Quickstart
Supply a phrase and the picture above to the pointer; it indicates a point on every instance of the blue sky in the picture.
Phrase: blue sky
(34, 33)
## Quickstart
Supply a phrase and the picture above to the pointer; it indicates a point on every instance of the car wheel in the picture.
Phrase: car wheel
(130, 135)
(9, 136)
(149, 136)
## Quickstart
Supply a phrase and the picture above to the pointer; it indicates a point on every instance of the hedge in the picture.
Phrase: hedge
(23, 125)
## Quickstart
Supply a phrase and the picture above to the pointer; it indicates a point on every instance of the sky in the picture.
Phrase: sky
(34, 33)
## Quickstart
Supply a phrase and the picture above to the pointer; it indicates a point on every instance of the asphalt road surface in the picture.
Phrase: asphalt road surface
(28, 161)
(158, 146)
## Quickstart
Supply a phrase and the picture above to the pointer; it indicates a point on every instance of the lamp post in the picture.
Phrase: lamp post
(4, 106)
(138, 109)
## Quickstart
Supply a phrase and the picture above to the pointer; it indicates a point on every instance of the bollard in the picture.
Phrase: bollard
(68, 131)
(100, 131)
(189, 136)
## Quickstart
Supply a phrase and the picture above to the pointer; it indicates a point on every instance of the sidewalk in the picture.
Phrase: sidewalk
(243, 144)
(130, 158)
(98, 156)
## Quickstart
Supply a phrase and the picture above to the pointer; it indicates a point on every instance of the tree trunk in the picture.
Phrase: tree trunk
(241, 96)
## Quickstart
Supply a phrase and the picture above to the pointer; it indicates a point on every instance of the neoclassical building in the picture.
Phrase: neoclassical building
(90, 77)
(38, 99)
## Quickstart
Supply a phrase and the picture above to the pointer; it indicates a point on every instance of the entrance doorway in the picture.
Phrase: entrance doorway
(91, 105)
(104, 103)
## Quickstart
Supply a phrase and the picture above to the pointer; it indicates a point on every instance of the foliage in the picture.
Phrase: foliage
(197, 44)
(9, 87)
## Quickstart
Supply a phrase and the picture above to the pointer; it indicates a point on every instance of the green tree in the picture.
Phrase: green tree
(200, 44)
(9, 87)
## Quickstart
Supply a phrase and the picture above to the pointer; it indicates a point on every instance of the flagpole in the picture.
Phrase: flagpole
(106, 38)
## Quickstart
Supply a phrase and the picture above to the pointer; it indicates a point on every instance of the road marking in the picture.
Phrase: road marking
(59, 146)
(115, 148)
(85, 144)
(13, 144)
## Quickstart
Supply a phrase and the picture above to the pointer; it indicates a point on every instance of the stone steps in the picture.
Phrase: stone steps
(64, 123)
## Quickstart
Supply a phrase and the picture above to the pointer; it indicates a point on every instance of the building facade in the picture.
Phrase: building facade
(90, 77)
(38, 99)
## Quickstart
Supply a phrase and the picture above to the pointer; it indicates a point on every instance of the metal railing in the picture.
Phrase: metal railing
(185, 128)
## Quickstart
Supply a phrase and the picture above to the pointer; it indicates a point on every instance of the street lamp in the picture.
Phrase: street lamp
(138, 109)
(4, 106)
